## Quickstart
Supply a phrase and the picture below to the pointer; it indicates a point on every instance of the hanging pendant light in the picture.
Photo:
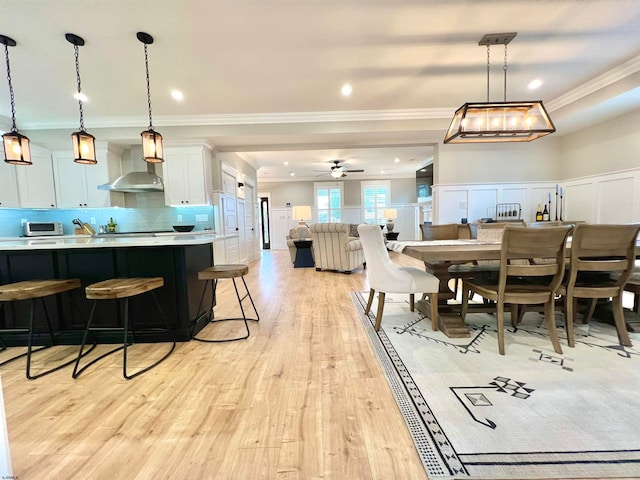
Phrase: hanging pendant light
(84, 144)
(16, 146)
(151, 140)
(499, 121)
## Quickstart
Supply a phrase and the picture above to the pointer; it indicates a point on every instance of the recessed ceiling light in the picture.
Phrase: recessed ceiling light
(80, 96)
(177, 95)
(292, 174)
(397, 160)
(381, 171)
(533, 84)
(286, 163)
(346, 90)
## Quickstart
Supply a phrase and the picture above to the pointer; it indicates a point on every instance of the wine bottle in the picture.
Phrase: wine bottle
(545, 214)
(112, 225)
(539, 214)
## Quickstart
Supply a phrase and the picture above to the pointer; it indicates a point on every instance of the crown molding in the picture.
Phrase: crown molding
(598, 83)
(251, 118)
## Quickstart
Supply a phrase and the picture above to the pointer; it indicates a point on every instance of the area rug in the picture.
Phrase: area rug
(529, 414)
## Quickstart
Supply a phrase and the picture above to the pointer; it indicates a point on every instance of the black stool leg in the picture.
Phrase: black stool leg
(214, 284)
(30, 349)
(126, 321)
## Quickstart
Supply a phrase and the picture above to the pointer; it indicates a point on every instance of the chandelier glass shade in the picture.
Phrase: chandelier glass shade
(499, 122)
(492, 122)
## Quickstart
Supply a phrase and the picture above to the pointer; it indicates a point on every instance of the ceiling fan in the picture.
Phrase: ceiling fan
(339, 171)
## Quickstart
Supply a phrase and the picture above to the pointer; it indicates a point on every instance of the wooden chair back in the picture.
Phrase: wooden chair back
(520, 244)
(601, 249)
(445, 231)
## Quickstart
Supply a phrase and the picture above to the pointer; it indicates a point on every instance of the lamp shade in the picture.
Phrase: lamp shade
(84, 148)
(301, 213)
(152, 150)
(499, 122)
(390, 213)
(16, 149)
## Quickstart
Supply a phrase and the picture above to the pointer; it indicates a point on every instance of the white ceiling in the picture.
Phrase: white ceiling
(263, 77)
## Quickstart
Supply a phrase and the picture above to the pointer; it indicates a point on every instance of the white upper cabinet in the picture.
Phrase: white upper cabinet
(186, 175)
(77, 184)
(8, 186)
(36, 188)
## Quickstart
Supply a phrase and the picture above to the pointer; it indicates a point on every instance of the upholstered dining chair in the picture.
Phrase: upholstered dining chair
(602, 261)
(513, 288)
(387, 277)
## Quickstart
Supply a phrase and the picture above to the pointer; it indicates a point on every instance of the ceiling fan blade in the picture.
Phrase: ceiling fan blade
(353, 171)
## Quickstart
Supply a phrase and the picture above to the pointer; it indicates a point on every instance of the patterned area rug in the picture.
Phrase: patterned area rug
(529, 414)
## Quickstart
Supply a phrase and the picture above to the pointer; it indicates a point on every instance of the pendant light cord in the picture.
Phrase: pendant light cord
(488, 70)
(13, 105)
(505, 72)
(82, 129)
(146, 65)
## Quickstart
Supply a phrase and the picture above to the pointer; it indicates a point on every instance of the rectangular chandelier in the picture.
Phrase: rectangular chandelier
(488, 122)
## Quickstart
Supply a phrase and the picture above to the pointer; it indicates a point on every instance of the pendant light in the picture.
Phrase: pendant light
(151, 140)
(16, 146)
(84, 144)
(488, 122)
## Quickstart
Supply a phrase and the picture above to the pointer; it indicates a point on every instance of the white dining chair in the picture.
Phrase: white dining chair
(387, 277)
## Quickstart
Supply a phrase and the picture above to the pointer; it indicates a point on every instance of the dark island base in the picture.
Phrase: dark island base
(179, 297)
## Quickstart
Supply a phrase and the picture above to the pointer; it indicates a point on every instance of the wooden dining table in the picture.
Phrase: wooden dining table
(438, 256)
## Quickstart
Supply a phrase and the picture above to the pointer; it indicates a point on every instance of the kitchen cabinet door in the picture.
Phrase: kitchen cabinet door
(184, 176)
(8, 186)
(35, 182)
(77, 184)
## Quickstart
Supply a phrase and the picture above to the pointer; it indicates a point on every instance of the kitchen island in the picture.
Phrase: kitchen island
(176, 257)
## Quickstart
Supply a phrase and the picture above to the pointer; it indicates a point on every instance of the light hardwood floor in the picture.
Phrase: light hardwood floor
(303, 398)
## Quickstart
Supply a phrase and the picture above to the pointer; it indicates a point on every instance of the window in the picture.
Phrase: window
(375, 198)
(328, 202)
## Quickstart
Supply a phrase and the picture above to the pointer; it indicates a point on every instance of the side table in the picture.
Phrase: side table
(304, 257)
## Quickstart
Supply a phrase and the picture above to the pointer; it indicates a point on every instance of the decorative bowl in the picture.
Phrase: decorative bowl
(183, 228)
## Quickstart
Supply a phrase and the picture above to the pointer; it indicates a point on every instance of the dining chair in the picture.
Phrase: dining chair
(448, 231)
(386, 277)
(601, 262)
(512, 286)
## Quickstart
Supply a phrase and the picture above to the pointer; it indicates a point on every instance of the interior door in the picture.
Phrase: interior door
(250, 221)
(242, 232)
(264, 224)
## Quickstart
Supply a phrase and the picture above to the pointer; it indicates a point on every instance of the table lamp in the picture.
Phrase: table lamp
(302, 213)
(390, 214)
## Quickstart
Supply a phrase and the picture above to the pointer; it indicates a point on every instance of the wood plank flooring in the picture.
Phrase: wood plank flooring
(302, 398)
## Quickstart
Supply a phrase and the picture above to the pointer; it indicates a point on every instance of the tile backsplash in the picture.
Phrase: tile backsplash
(140, 219)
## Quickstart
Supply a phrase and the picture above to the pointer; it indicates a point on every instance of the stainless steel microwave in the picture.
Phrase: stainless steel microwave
(38, 229)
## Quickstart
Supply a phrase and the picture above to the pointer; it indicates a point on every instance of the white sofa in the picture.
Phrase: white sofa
(293, 235)
(334, 249)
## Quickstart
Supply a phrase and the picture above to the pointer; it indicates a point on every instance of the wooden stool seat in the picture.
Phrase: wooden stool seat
(120, 289)
(214, 274)
(223, 271)
(34, 290)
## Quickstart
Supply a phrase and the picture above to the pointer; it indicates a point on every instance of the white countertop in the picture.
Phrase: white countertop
(110, 241)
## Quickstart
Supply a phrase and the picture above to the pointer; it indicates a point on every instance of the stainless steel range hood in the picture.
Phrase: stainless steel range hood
(136, 182)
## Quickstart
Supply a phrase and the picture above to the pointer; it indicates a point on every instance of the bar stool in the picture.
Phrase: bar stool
(120, 289)
(34, 290)
(219, 272)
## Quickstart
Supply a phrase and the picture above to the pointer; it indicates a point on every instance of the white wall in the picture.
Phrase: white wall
(498, 162)
(611, 146)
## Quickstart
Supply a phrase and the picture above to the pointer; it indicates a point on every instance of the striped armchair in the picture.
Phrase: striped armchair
(334, 249)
